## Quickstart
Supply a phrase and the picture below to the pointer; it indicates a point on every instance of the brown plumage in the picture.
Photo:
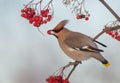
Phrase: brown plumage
(77, 45)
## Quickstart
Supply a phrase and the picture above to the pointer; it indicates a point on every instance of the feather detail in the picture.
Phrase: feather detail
(60, 25)
(100, 43)
(90, 49)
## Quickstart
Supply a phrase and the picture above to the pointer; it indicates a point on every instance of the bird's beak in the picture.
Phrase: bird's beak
(50, 32)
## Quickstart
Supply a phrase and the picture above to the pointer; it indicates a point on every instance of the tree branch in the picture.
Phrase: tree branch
(110, 9)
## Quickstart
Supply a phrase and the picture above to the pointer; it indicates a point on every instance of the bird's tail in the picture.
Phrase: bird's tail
(106, 63)
(102, 60)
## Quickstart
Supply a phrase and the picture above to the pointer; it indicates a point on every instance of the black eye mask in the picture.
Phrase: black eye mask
(57, 31)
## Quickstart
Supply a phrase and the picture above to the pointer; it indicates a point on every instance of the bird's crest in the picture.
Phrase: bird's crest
(60, 25)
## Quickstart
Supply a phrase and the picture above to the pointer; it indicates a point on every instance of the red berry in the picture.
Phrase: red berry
(49, 18)
(44, 21)
(22, 10)
(59, 78)
(107, 32)
(44, 13)
(49, 32)
(110, 32)
(113, 35)
(28, 9)
(24, 15)
(40, 18)
(87, 18)
(116, 33)
(31, 20)
(29, 16)
(78, 16)
(47, 10)
(118, 38)
(33, 13)
(36, 24)
(36, 18)
(66, 81)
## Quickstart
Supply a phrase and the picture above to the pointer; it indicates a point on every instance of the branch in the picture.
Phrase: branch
(72, 70)
(75, 64)
(110, 9)
(105, 30)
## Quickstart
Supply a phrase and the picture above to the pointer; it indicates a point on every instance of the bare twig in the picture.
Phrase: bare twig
(99, 34)
(75, 64)
(72, 70)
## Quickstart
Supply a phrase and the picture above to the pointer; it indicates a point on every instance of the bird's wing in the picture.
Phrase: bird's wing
(81, 42)
(100, 43)
(90, 49)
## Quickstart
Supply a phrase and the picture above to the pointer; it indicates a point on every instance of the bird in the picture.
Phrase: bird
(76, 45)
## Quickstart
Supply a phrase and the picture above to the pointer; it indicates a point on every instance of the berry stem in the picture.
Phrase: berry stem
(28, 3)
(41, 32)
(98, 35)
(39, 2)
(48, 4)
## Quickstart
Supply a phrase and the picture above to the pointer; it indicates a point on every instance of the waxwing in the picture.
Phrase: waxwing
(77, 45)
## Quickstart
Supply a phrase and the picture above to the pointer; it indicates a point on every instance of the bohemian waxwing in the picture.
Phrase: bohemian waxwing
(77, 45)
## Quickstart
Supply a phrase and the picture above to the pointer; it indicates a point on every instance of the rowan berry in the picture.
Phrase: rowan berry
(86, 18)
(78, 16)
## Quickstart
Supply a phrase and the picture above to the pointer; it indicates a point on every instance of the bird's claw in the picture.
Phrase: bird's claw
(74, 63)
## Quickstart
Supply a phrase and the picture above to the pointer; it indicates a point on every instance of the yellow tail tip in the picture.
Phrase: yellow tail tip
(107, 65)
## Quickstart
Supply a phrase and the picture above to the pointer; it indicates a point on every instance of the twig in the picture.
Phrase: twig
(48, 4)
(105, 30)
(99, 34)
(72, 70)
(75, 64)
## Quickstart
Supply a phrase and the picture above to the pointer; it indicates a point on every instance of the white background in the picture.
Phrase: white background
(28, 57)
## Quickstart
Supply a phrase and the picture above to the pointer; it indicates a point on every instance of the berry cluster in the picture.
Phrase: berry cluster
(57, 79)
(81, 16)
(114, 34)
(37, 16)
(78, 8)
(113, 29)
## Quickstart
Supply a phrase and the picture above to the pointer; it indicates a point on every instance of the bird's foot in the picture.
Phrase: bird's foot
(72, 63)
(75, 63)
(74, 66)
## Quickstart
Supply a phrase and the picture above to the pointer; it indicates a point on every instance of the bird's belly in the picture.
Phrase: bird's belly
(77, 55)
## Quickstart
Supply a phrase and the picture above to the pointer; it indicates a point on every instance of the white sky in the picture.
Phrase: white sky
(28, 57)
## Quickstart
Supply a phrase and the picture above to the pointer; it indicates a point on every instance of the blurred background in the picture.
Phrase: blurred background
(26, 56)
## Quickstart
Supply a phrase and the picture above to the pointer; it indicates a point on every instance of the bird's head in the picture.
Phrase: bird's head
(58, 28)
